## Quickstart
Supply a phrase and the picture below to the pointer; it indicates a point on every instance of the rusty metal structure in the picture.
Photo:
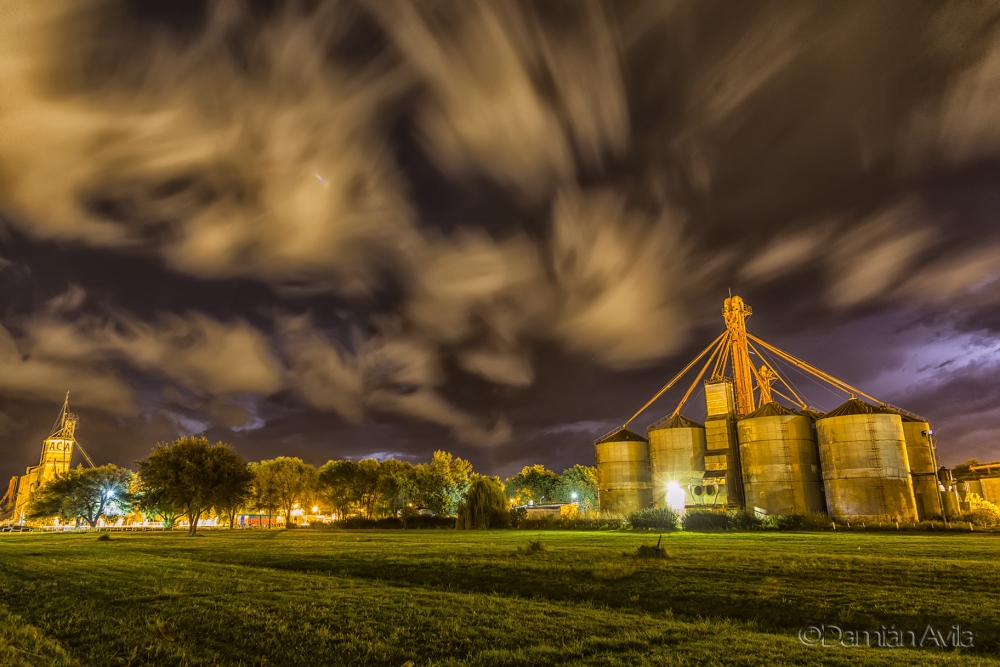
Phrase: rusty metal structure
(56, 458)
(623, 477)
(762, 448)
(677, 454)
(780, 461)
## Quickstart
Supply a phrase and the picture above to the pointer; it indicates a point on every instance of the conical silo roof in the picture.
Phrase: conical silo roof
(674, 421)
(621, 435)
(771, 409)
(853, 406)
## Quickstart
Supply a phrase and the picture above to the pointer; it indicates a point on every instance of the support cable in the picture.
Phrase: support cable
(798, 399)
(701, 374)
(676, 378)
(82, 451)
(815, 371)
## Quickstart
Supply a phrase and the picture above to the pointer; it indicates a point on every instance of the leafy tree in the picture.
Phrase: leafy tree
(187, 475)
(396, 486)
(442, 483)
(532, 483)
(84, 493)
(294, 482)
(263, 489)
(484, 506)
(336, 482)
(365, 487)
(234, 488)
(579, 480)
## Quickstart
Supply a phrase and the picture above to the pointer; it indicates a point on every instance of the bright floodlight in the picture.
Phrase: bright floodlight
(315, 509)
(675, 496)
(574, 496)
(110, 493)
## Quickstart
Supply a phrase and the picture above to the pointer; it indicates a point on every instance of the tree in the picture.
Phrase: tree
(84, 493)
(485, 505)
(294, 482)
(187, 475)
(442, 483)
(581, 481)
(263, 489)
(396, 486)
(336, 482)
(534, 483)
(235, 485)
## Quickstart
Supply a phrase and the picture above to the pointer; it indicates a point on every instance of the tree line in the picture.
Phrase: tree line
(193, 479)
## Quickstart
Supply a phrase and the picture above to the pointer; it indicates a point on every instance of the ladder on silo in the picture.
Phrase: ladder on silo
(786, 454)
(877, 467)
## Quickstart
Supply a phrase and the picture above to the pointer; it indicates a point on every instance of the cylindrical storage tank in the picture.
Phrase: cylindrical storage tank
(676, 454)
(623, 481)
(923, 472)
(862, 453)
(780, 462)
(950, 500)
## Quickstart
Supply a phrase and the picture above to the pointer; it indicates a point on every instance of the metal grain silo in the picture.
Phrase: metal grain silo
(623, 479)
(862, 453)
(676, 454)
(923, 467)
(780, 461)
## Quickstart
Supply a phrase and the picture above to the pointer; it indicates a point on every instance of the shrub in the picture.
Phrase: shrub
(744, 520)
(103, 537)
(389, 522)
(981, 512)
(485, 506)
(659, 518)
(428, 522)
(704, 520)
(802, 521)
(518, 515)
(355, 522)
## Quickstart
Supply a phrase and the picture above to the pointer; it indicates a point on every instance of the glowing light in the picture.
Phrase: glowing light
(574, 496)
(110, 494)
(675, 496)
(315, 509)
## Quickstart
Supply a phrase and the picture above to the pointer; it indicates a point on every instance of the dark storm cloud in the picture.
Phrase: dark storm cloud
(357, 227)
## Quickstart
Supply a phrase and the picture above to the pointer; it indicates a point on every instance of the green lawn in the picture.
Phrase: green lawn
(443, 597)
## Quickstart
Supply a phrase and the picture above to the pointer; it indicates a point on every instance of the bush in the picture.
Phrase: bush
(355, 522)
(103, 537)
(429, 522)
(744, 520)
(659, 518)
(389, 522)
(802, 521)
(704, 520)
(981, 512)
(518, 515)
(485, 506)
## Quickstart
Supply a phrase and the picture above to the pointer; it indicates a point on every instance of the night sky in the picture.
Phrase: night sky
(347, 229)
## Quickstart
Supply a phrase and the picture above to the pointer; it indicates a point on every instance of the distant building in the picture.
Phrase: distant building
(57, 454)
(555, 510)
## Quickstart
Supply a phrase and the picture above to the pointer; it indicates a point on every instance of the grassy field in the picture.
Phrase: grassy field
(314, 598)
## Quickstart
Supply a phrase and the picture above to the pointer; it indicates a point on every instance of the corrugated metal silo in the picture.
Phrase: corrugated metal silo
(923, 470)
(862, 453)
(623, 478)
(780, 461)
(676, 454)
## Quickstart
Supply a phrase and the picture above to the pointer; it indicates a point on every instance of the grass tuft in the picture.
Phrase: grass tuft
(104, 537)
